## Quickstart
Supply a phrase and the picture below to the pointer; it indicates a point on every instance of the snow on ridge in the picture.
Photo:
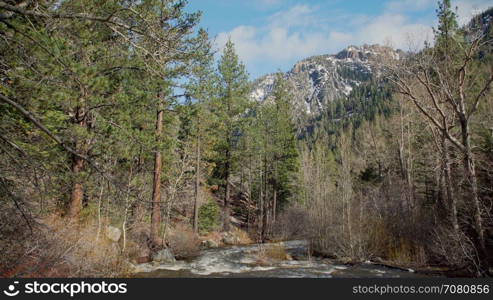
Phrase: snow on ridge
(321, 79)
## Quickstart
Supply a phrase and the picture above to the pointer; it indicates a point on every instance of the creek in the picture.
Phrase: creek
(243, 261)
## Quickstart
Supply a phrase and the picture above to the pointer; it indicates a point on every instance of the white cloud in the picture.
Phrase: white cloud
(466, 8)
(269, 2)
(276, 41)
(298, 15)
(469, 8)
(409, 5)
(294, 34)
(301, 31)
(397, 30)
(277, 44)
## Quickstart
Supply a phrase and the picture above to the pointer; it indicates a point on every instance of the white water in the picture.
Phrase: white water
(242, 261)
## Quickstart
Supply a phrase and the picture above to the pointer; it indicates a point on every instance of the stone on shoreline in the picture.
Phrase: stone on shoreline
(164, 256)
(113, 233)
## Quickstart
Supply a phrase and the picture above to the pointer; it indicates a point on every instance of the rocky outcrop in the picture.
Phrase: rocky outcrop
(229, 238)
(318, 80)
(163, 256)
(207, 244)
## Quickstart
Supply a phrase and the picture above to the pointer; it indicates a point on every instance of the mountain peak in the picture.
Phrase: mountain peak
(368, 52)
(318, 80)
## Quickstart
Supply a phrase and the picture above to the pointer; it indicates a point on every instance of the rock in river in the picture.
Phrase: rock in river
(164, 256)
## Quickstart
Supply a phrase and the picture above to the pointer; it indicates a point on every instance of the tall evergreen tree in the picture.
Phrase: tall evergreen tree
(232, 104)
(284, 142)
(100, 64)
(271, 138)
(201, 93)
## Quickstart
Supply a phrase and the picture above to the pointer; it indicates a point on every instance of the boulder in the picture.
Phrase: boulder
(209, 244)
(143, 260)
(230, 239)
(346, 260)
(113, 233)
(143, 255)
(164, 256)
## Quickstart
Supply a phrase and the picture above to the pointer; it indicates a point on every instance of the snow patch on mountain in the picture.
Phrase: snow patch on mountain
(319, 80)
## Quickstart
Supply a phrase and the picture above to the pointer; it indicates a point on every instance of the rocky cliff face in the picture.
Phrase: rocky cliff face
(319, 80)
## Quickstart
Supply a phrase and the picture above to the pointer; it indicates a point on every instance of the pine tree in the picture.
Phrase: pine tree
(201, 91)
(285, 157)
(231, 105)
(107, 71)
(272, 141)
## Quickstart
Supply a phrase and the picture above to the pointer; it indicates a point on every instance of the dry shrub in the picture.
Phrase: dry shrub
(214, 236)
(364, 235)
(15, 237)
(406, 252)
(243, 236)
(399, 247)
(183, 241)
(133, 250)
(454, 248)
(271, 252)
(139, 246)
(293, 223)
(85, 253)
(70, 249)
(276, 251)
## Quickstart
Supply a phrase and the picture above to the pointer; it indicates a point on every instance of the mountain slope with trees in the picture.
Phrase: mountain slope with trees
(123, 141)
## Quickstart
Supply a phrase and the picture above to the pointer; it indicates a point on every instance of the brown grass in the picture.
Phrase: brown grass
(242, 235)
(269, 253)
(213, 236)
(277, 252)
(183, 241)
(401, 250)
(63, 248)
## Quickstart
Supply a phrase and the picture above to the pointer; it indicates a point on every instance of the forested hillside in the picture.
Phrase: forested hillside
(124, 139)
(408, 157)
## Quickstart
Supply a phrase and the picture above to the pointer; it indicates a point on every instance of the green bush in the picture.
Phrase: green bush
(209, 216)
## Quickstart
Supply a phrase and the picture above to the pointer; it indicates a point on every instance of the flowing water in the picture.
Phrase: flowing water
(243, 261)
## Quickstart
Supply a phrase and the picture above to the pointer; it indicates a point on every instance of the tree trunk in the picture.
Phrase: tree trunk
(249, 193)
(274, 198)
(272, 214)
(409, 176)
(274, 207)
(197, 188)
(156, 187)
(77, 194)
(227, 194)
(449, 186)
(470, 169)
(261, 206)
(347, 191)
(265, 221)
(226, 208)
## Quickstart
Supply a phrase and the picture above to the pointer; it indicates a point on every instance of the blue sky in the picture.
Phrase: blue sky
(272, 35)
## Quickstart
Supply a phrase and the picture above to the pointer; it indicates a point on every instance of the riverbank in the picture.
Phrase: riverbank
(282, 259)
(251, 261)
